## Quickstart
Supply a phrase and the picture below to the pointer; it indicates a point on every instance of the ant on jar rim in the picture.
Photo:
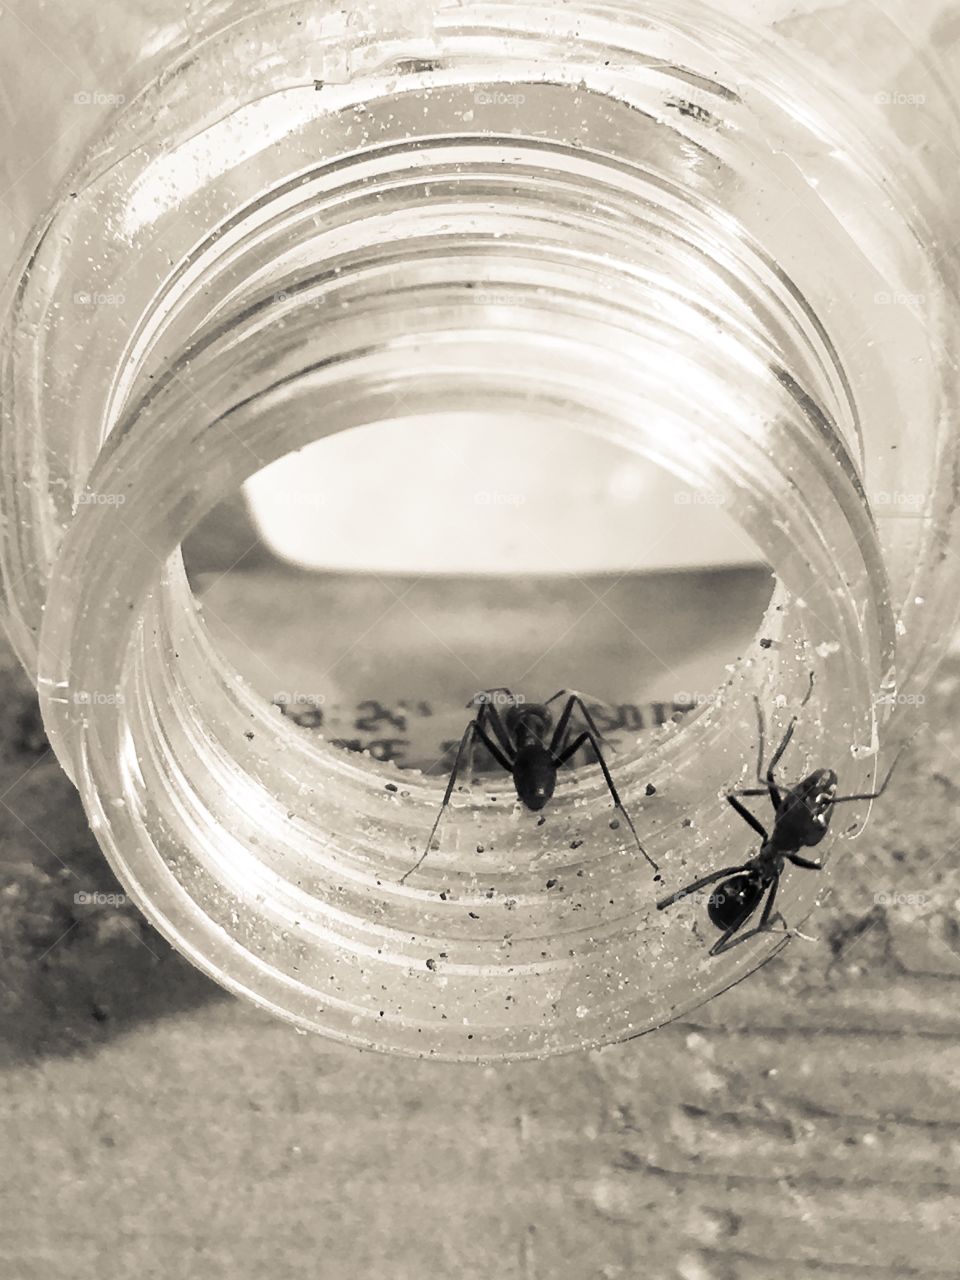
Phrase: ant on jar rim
(802, 816)
(528, 744)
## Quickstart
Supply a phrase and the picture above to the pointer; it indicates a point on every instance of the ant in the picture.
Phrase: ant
(518, 742)
(801, 818)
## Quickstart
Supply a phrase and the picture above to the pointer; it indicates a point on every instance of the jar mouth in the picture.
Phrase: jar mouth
(409, 276)
(634, 329)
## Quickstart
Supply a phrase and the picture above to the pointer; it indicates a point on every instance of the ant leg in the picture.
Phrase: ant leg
(554, 696)
(747, 816)
(760, 737)
(501, 757)
(587, 717)
(571, 749)
(874, 795)
(574, 700)
(768, 788)
(560, 732)
(778, 754)
(804, 862)
(725, 943)
(697, 884)
(768, 906)
(771, 781)
(571, 694)
(488, 710)
(473, 729)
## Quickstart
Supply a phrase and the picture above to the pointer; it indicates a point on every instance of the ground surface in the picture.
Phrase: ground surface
(806, 1124)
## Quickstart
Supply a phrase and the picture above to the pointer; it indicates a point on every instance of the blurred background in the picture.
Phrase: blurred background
(408, 565)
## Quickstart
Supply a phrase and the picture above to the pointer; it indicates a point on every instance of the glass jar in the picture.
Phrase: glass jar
(715, 234)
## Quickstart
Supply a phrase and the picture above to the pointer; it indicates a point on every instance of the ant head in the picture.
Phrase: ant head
(824, 778)
(813, 805)
(536, 717)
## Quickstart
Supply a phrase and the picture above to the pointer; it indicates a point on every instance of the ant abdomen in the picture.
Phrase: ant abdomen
(735, 899)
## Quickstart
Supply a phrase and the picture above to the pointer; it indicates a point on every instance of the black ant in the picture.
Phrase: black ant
(801, 818)
(519, 745)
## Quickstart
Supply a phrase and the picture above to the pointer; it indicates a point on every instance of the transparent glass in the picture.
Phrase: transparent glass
(717, 234)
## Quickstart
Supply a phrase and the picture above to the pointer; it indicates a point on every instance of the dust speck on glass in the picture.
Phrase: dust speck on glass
(718, 236)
